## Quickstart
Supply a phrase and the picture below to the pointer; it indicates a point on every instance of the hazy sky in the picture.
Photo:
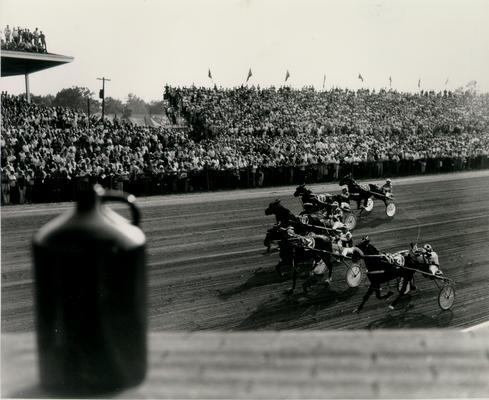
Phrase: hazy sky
(143, 44)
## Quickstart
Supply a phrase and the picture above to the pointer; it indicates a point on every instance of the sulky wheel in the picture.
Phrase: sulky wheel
(390, 209)
(350, 221)
(353, 275)
(446, 297)
(370, 205)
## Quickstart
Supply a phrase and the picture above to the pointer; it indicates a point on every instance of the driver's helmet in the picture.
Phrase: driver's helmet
(345, 207)
(428, 248)
(388, 181)
(344, 189)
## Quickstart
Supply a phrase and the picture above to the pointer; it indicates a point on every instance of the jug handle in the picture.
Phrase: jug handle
(129, 199)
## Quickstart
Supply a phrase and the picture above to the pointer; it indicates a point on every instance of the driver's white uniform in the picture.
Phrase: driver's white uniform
(432, 260)
(341, 239)
(429, 259)
(339, 246)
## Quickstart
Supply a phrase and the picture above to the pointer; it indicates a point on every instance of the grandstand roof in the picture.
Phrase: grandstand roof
(21, 62)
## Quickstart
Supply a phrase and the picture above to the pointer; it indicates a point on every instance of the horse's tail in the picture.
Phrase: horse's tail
(356, 254)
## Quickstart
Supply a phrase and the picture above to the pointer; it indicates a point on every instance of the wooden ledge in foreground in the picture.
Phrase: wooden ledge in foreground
(319, 364)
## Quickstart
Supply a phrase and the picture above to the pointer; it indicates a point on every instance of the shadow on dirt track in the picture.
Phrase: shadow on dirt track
(260, 277)
(296, 308)
(405, 317)
(368, 221)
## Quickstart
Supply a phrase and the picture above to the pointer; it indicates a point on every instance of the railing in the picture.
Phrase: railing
(62, 189)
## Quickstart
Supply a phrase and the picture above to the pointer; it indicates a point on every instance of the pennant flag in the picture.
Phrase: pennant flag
(324, 80)
(287, 75)
(250, 74)
(419, 83)
(360, 77)
(390, 81)
(209, 74)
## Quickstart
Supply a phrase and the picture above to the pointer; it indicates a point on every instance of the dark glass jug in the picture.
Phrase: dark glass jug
(90, 297)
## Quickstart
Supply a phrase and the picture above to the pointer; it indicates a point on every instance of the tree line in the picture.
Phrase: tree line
(77, 98)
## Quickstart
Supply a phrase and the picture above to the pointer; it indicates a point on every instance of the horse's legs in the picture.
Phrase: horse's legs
(405, 282)
(413, 285)
(384, 296)
(278, 268)
(365, 298)
(330, 270)
(294, 275)
(294, 281)
(268, 245)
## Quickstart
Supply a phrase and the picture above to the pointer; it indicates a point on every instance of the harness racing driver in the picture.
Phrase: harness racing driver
(342, 238)
(344, 196)
(427, 258)
(431, 259)
(387, 186)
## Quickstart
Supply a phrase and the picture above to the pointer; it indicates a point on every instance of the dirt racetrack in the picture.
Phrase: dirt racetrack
(207, 268)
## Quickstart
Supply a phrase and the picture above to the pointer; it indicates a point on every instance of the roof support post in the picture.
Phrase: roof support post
(27, 89)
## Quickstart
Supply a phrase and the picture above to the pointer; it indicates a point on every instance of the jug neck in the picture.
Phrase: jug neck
(89, 200)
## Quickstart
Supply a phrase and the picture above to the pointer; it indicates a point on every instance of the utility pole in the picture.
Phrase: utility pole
(88, 111)
(102, 94)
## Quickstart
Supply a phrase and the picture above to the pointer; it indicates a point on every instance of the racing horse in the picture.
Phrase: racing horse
(302, 224)
(363, 192)
(325, 204)
(383, 268)
(296, 248)
(315, 202)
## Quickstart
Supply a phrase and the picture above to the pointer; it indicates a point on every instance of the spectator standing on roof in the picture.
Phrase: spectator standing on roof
(25, 35)
(35, 36)
(15, 35)
(7, 34)
(43, 42)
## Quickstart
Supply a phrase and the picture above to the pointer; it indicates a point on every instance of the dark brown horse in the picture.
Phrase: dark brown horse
(383, 268)
(296, 249)
(302, 224)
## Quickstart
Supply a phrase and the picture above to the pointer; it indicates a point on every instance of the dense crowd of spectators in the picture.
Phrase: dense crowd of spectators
(22, 39)
(232, 131)
(40, 143)
(306, 126)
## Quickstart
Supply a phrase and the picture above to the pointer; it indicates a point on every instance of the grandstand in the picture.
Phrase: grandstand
(242, 138)
(26, 63)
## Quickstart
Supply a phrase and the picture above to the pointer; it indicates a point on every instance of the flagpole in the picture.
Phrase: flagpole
(209, 75)
(250, 74)
(287, 76)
